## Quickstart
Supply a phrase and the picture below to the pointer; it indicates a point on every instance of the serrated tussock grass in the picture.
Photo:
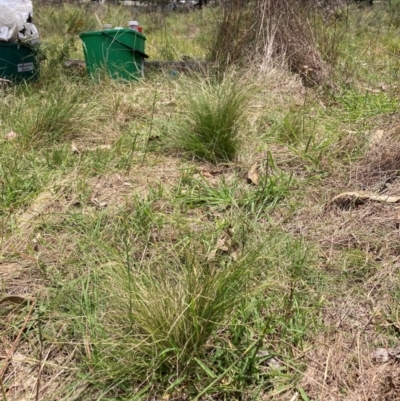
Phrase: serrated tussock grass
(163, 316)
(60, 112)
(214, 112)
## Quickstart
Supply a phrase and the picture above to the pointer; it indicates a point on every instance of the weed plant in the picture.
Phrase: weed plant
(65, 111)
(172, 311)
(214, 115)
(254, 202)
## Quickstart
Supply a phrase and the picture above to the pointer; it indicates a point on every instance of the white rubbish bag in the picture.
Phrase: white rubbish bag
(16, 21)
(29, 34)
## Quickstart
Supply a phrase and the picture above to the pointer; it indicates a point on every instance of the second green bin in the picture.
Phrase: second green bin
(120, 52)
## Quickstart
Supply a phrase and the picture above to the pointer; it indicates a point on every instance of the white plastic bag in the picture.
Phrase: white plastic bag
(29, 34)
(4, 33)
(15, 15)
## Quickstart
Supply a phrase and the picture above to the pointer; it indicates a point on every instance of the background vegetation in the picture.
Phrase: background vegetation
(180, 237)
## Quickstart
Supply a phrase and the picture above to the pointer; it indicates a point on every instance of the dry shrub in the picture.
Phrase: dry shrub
(275, 31)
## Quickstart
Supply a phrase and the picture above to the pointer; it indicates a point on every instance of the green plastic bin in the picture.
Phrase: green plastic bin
(120, 52)
(18, 62)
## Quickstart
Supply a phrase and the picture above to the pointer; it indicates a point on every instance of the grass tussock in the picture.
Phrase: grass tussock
(211, 125)
(61, 113)
(167, 315)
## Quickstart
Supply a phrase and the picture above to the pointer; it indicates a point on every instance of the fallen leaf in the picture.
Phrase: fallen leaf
(373, 90)
(74, 148)
(253, 176)
(11, 135)
(211, 256)
(211, 173)
(14, 299)
(224, 244)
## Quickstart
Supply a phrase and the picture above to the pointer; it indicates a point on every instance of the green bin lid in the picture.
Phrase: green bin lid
(112, 31)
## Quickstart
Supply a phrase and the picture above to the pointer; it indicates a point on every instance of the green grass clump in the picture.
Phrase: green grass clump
(213, 115)
(60, 112)
(236, 196)
(170, 311)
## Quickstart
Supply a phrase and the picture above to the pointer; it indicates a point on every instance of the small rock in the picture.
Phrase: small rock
(376, 137)
(275, 363)
(11, 135)
(380, 355)
(262, 353)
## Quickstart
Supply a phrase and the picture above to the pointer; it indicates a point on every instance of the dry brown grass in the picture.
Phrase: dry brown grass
(379, 169)
(44, 369)
(26, 374)
(359, 250)
(356, 317)
(37, 369)
(273, 31)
